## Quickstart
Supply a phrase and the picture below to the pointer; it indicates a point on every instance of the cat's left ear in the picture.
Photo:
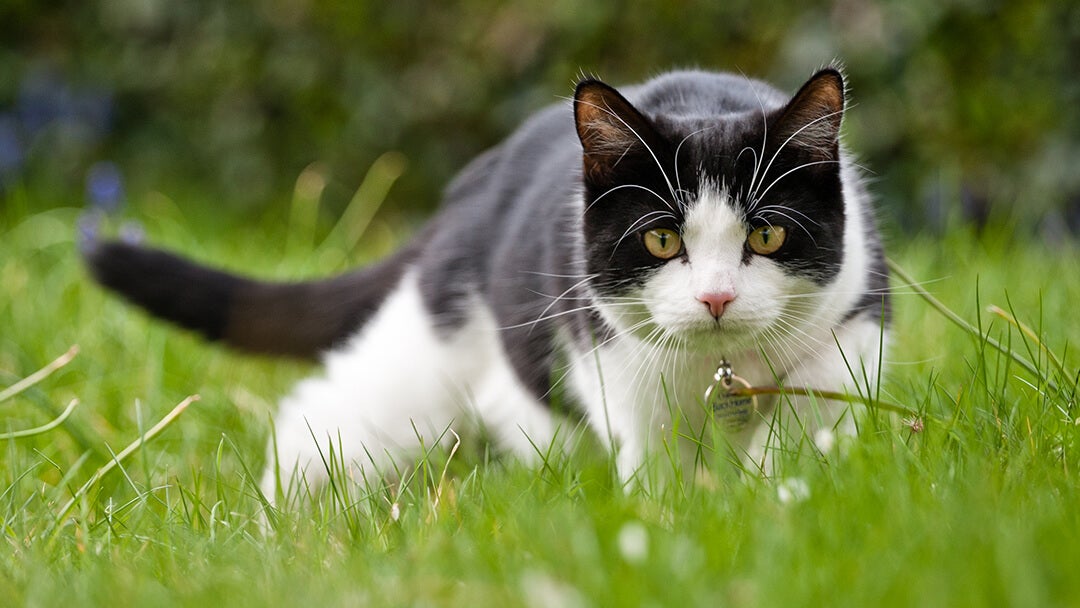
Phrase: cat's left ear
(811, 120)
(608, 126)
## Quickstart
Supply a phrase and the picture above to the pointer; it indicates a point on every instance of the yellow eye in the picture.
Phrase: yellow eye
(766, 239)
(663, 243)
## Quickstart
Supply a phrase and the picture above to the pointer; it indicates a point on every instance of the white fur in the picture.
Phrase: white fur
(397, 385)
(398, 378)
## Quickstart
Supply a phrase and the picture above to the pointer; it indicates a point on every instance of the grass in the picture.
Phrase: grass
(979, 507)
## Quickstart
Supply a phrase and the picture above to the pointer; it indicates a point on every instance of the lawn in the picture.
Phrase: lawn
(974, 503)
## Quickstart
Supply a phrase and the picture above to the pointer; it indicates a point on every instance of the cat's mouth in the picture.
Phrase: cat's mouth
(679, 330)
(720, 334)
(715, 336)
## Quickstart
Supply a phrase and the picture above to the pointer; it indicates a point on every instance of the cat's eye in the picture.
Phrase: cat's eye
(663, 243)
(766, 239)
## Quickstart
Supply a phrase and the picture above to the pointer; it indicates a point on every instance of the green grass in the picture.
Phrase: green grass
(979, 508)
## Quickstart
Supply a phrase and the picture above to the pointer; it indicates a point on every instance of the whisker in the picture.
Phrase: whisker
(656, 159)
(641, 221)
(754, 195)
(793, 221)
(766, 208)
(790, 171)
(678, 181)
(621, 186)
(558, 276)
(553, 302)
(751, 200)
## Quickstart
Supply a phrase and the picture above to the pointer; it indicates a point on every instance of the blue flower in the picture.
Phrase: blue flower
(104, 186)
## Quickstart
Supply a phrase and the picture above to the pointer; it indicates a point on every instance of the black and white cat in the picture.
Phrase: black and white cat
(622, 247)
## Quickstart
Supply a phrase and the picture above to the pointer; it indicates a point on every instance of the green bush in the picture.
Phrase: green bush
(957, 102)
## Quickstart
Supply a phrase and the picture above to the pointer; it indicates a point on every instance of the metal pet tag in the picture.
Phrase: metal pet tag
(732, 412)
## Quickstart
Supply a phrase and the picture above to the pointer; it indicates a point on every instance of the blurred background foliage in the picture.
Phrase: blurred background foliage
(963, 108)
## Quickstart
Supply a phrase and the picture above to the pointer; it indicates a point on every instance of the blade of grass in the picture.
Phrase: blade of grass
(1027, 331)
(791, 391)
(968, 327)
(304, 210)
(442, 478)
(366, 201)
(45, 428)
(153, 432)
(268, 508)
(39, 375)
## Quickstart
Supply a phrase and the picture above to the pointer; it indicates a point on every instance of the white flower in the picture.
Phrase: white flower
(633, 541)
(792, 489)
(825, 439)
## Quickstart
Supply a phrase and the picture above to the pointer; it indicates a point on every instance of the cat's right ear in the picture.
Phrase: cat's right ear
(608, 126)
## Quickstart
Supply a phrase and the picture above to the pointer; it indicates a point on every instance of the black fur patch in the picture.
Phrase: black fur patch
(166, 286)
(875, 302)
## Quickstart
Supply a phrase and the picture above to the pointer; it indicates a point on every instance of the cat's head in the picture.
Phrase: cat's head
(708, 224)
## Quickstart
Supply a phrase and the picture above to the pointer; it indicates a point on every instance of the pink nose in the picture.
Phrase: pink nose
(716, 301)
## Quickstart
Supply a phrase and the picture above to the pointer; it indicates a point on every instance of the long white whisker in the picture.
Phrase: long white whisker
(678, 180)
(790, 171)
(557, 275)
(758, 159)
(620, 187)
(656, 159)
(553, 302)
(626, 332)
(641, 221)
(794, 221)
(754, 196)
(753, 176)
(587, 355)
(766, 208)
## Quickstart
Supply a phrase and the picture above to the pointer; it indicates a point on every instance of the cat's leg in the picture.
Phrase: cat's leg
(850, 364)
(393, 387)
(622, 388)
(514, 418)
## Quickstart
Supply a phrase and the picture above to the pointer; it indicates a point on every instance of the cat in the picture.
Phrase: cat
(613, 250)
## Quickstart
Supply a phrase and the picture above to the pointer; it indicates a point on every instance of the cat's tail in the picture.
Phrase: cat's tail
(295, 319)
